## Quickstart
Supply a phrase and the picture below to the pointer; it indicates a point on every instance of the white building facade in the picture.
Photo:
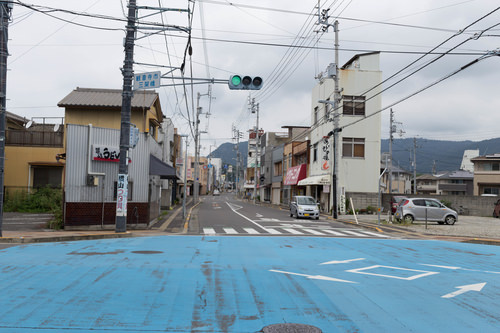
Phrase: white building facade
(358, 143)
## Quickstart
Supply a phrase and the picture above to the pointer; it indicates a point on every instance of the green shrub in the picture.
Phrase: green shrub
(42, 200)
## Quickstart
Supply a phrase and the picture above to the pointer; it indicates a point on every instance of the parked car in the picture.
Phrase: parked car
(216, 192)
(395, 200)
(413, 209)
(304, 206)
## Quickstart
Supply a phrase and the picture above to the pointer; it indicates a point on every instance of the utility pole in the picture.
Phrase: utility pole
(323, 18)
(6, 9)
(389, 165)
(128, 73)
(185, 177)
(255, 109)
(414, 165)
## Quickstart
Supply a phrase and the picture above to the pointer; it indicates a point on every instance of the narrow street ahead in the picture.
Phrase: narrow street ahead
(226, 215)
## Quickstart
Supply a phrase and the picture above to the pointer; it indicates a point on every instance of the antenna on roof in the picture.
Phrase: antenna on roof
(29, 123)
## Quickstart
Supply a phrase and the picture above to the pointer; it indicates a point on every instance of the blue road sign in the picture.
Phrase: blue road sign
(242, 284)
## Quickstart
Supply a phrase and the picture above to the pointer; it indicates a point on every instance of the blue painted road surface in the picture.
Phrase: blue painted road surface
(242, 284)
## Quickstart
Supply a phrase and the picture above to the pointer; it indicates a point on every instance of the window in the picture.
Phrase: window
(315, 117)
(315, 152)
(353, 147)
(278, 169)
(353, 105)
(491, 190)
(47, 176)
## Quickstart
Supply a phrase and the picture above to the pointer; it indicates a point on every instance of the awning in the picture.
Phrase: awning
(159, 168)
(316, 180)
(294, 174)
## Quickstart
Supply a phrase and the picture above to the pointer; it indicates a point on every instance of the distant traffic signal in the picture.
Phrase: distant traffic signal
(237, 82)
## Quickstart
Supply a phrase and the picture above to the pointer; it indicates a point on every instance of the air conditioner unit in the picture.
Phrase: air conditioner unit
(92, 180)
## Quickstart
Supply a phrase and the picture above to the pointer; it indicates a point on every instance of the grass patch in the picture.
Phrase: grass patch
(42, 200)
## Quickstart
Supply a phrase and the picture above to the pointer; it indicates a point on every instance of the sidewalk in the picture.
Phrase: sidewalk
(172, 223)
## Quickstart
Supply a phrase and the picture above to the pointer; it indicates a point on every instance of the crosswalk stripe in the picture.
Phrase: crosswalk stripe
(251, 231)
(375, 234)
(314, 232)
(336, 233)
(209, 231)
(230, 231)
(354, 233)
(272, 231)
(293, 231)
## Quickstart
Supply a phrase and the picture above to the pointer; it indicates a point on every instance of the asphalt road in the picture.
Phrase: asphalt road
(227, 215)
(242, 284)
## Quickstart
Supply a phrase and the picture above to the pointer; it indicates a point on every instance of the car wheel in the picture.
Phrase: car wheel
(317, 217)
(291, 214)
(408, 218)
(450, 220)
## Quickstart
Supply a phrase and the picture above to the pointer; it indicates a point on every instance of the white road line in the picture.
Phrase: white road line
(293, 231)
(375, 234)
(336, 233)
(272, 231)
(251, 231)
(209, 231)
(354, 233)
(314, 232)
(230, 231)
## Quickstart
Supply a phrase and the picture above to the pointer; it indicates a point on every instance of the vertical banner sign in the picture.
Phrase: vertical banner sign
(121, 195)
(326, 154)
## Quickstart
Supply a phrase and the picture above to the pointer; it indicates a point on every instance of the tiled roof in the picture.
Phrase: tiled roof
(107, 98)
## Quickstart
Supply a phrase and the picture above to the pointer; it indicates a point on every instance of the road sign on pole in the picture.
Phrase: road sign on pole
(148, 80)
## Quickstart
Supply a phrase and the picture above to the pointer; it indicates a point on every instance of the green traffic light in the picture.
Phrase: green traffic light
(236, 80)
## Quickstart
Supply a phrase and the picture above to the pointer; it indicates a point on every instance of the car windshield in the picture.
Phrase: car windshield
(305, 201)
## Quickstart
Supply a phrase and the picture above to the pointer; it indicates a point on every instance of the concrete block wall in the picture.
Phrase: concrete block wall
(464, 204)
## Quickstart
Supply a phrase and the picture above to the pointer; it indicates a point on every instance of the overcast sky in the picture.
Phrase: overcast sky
(52, 55)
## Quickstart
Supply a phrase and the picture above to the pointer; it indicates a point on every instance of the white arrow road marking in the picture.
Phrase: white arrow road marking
(234, 207)
(258, 215)
(439, 266)
(341, 261)
(315, 277)
(464, 289)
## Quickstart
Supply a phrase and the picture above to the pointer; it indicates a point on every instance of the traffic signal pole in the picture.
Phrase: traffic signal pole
(127, 94)
(5, 12)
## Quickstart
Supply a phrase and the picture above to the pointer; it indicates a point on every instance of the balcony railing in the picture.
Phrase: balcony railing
(34, 138)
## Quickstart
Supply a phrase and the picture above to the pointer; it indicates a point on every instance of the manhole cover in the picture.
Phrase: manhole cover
(290, 328)
(147, 252)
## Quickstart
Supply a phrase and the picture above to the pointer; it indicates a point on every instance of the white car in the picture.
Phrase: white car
(216, 192)
(304, 206)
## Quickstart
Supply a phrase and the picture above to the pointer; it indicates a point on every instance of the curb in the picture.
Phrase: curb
(63, 238)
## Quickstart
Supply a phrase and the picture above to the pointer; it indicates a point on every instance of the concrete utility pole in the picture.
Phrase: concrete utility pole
(255, 109)
(185, 177)
(5, 12)
(127, 94)
(389, 165)
(414, 165)
(323, 20)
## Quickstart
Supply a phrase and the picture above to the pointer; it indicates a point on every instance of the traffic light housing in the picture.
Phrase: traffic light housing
(238, 82)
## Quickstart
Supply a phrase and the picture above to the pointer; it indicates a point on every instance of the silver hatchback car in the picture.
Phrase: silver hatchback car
(304, 206)
(412, 209)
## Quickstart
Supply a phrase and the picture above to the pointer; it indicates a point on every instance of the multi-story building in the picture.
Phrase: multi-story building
(92, 140)
(359, 140)
(33, 151)
(487, 174)
(458, 182)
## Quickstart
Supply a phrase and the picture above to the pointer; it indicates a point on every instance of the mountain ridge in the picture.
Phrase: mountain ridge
(437, 155)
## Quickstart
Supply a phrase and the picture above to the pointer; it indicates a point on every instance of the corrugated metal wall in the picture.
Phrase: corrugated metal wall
(76, 188)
